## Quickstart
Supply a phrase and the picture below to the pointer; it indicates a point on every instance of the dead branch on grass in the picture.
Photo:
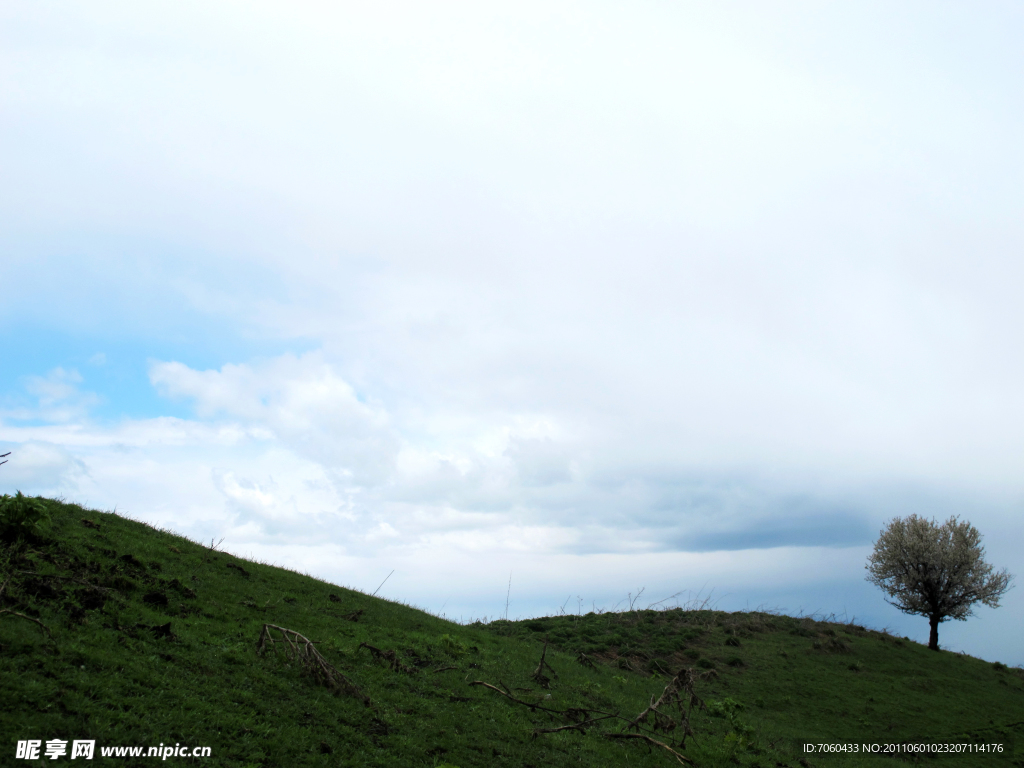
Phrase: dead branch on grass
(679, 694)
(683, 759)
(538, 674)
(83, 582)
(672, 697)
(160, 631)
(27, 618)
(530, 704)
(581, 726)
(659, 666)
(312, 662)
(21, 615)
(389, 657)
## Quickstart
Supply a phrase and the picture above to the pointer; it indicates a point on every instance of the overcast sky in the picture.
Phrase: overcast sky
(691, 297)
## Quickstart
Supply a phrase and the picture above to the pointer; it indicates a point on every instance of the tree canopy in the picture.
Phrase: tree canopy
(933, 570)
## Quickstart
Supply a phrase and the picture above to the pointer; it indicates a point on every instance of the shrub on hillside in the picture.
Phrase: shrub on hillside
(22, 518)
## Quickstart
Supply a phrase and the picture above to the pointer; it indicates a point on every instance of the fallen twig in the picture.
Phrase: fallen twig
(68, 578)
(671, 696)
(582, 718)
(21, 615)
(580, 726)
(529, 704)
(159, 630)
(644, 737)
(27, 618)
(391, 657)
(317, 666)
(538, 673)
(664, 671)
(585, 660)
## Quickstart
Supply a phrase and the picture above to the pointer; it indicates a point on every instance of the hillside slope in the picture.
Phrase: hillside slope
(116, 632)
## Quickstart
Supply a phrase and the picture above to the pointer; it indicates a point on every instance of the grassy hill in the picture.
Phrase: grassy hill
(113, 631)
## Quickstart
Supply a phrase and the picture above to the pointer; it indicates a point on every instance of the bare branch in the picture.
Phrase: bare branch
(580, 726)
(538, 673)
(529, 704)
(27, 618)
(683, 759)
(68, 578)
(390, 657)
(309, 657)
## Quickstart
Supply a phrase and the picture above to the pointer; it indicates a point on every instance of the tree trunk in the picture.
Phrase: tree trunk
(933, 636)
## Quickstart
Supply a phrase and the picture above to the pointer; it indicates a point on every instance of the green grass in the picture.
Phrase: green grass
(166, 652)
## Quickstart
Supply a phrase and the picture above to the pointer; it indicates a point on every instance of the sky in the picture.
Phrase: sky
(532, 306)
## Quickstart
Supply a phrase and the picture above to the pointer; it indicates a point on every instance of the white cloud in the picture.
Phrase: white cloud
(36, 467)
(301, 401)
(539, 462)
(56, 386)
(58, 398)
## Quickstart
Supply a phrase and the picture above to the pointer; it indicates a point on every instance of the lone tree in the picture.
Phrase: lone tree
(935, 570)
